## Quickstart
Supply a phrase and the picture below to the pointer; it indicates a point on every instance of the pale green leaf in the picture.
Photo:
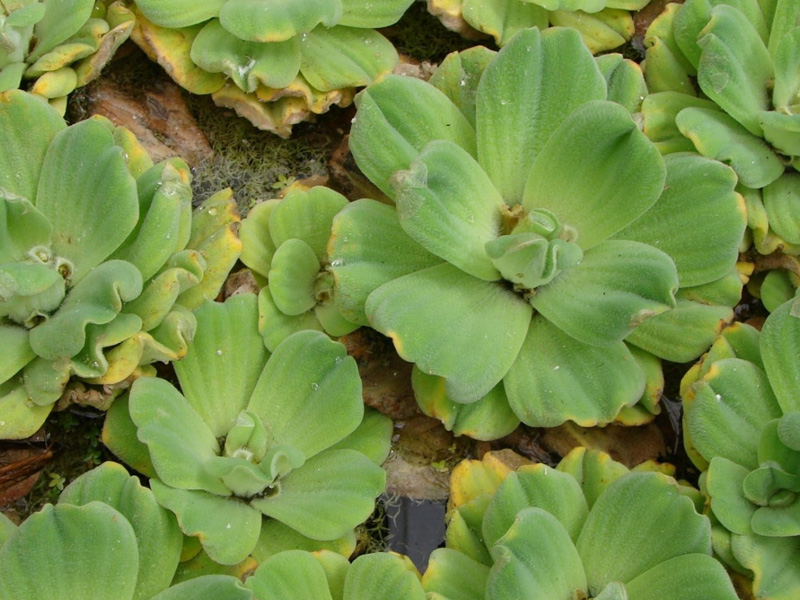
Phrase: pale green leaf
(330, 494)
(556, 379)
(384, 140)
(227, 527)
(345, 57)
(309, 394)
(276, 20)
(616, 286)
(525, 94)
(448, 205)
(77, 551)
(429, 315)
(290, 575)
(620, 178)
(382, 576)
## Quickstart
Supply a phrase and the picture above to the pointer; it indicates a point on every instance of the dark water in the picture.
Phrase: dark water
(416, 528)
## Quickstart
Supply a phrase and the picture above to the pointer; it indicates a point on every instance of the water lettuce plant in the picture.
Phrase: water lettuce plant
(54, 47)
(107, 538)
(101, 260)
(541, 256)
(284, 243)
(741, 428)
(603, 24)
(724, 82)
(588, 529)
(255, 435)
(275, 63)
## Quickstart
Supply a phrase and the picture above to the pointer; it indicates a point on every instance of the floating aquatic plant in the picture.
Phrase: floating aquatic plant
(541, 255)
(101, 260)
(275, 63)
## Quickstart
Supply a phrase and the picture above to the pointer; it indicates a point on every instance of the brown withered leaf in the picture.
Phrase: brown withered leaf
(156, 114)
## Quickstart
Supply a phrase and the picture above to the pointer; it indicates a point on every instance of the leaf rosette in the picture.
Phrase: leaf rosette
(588, 529)
(742, 425)
(284, 243)
(54, 47)
(101, 260)
(107, 538)
(255, 435)
(724, 82)
(541, 256)
(276, 63)
(603, 24)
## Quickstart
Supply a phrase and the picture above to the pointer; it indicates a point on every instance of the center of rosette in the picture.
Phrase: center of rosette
(536, 249)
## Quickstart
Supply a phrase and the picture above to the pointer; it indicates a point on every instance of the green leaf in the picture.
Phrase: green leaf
(157, 535)
(448, 205)
(275, 326)
(383, 577)
(372, 438)
(226, 354)
(207, 587)
(554, 570)
(21, 417)
(686, 576)
(309, 394)
(537, 486)
(179, 441)
(593, 470)
(525, 94)
(455, 576)
(621, 175)
(330, 494)
(78, 552)
(29, 125)
(17, 350)
(257, 244)
(773, 562)
(782, 203)
(639, 522)
(698, 201)
(501, 19)
(368, 249)
(735, 66)
(276, 537)
(616, 286)
(384, 140)
(248, 64)
(88, 194)
(718, 136)
(275, 20)
(786, 62)
(62, 19)
(119, 436)
(160, 220)
(458, 76)
(724, 483)
(290, 575)
(683, 333)
(624, 80)
(557, 378)
(227, 527)
(659, 112)
(345, 57)
(292, 276)
(368, 14)
(97, 299)
(731, 406)
(306, 215)
(179, 13)
(429, 316)
(489, 418)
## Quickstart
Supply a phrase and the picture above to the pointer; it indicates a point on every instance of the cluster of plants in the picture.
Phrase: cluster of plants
(548, 225)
